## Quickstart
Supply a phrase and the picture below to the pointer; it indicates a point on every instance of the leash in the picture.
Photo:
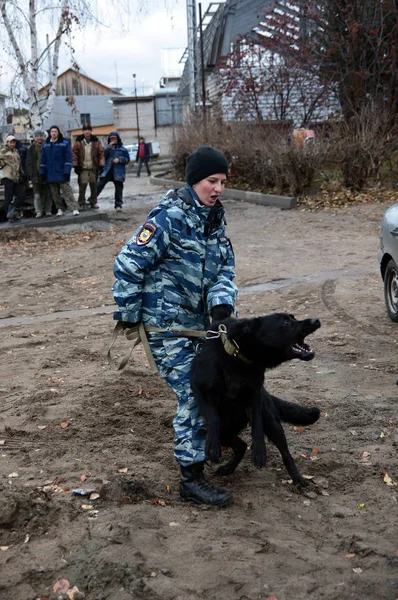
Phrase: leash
(137, 335)
(230, 346)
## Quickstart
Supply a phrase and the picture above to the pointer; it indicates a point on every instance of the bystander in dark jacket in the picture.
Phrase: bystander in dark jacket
(56, 165)
(143, 156)
(116, 159)
(88, 160)
(42, 196)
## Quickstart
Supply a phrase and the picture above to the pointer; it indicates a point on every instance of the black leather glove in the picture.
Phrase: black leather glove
(220, 312)
(77, 170)
(67, 178)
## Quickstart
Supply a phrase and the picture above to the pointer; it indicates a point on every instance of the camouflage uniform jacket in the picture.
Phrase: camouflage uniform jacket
(177, 266)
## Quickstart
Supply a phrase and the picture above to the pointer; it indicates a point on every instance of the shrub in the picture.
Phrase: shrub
(262, 157)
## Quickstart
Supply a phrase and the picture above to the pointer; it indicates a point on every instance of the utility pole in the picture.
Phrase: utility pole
(202, 64)
(136, 108)
(192, 52)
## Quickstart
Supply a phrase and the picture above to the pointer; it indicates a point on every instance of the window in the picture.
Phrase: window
(85, 118)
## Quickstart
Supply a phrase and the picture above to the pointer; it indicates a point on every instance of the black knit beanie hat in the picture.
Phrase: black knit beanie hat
(203, 162)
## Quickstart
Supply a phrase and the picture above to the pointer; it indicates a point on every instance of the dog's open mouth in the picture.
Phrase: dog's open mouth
(302, 351)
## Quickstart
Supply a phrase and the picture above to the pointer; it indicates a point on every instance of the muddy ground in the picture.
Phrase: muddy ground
(69, 421)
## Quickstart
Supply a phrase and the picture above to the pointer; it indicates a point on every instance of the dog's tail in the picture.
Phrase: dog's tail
(295, 413)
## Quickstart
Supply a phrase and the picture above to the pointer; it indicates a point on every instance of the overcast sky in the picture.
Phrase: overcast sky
(152, 47)
(149, 40)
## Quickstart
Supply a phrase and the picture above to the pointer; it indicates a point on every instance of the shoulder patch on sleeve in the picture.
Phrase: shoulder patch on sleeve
(146, 234)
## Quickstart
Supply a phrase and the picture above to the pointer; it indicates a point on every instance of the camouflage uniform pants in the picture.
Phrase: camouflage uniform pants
(67, 195)
(173, 357)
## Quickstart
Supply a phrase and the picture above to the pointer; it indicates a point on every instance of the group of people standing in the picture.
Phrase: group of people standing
(49, 161)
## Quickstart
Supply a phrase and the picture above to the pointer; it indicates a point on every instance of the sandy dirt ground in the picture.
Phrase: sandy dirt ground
(69, 421)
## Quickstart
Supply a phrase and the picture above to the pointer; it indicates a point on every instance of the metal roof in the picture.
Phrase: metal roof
(229, 21)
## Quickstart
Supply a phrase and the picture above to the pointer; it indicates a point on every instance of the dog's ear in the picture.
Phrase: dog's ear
(243, 328)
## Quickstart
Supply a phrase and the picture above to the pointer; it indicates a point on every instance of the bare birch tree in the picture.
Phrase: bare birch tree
(22, 20)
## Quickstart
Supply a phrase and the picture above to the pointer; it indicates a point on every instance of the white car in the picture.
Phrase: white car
(388, 259)
(132, 150)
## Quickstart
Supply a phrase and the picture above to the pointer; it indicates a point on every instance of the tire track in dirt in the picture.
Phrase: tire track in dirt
(328, 291)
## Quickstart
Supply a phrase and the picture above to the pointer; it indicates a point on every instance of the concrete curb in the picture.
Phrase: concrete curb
(285, 202)
(65, 220)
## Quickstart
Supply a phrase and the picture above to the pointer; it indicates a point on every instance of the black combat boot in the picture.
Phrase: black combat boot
(194, 487)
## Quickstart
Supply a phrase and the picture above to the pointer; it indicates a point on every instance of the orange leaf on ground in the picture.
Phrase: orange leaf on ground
(315, 450)
(65, 424)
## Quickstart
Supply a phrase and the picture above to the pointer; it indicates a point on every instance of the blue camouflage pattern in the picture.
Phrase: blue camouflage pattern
(173, 356)
(170, 276)
(175, 278)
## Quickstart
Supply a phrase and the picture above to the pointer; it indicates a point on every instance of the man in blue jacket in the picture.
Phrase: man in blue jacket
(116, 159)
(56, 165)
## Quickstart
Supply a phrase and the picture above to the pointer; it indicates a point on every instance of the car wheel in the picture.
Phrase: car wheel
(391, 290)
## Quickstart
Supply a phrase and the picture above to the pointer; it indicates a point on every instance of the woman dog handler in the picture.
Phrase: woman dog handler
(177, 272)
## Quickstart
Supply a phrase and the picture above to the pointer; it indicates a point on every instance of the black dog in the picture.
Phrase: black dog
(228, 384)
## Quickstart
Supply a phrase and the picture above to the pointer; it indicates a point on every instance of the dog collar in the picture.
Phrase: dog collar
(230, 346)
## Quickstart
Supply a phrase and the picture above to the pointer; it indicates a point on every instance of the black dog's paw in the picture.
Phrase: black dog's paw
(259, 457)
(299, 482)
(227, 469)
(313, 414)
(213, 451)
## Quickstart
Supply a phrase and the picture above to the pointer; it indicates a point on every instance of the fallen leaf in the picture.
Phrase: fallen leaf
(65, 424)
(174, 524)
(365, 455)
(58, 480)
(140, 390)
(123, 470)
(94, 496)
(61, 586)
(361, 506)
(387, 479)
(83, 477)
(27, 538)
(357, 570)
(168, 489)
(315, 450)
(87, 506)
(352, 555)
(13, 475)
(153, 574)
(159, 502)
(41, 427)
(4, 548)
